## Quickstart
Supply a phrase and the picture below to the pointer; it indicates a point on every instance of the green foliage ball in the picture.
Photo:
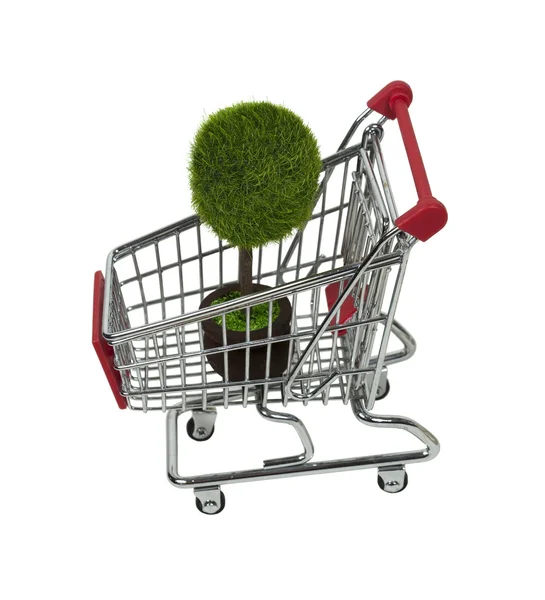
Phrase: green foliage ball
(254, 173)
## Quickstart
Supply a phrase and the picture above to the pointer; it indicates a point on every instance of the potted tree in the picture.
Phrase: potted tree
(254, 172)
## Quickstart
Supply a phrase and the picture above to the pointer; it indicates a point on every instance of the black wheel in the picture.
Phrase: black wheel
(190, 428)
(385, 392)
(211, 510)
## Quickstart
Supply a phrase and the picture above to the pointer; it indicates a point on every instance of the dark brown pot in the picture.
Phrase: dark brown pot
(213, 338)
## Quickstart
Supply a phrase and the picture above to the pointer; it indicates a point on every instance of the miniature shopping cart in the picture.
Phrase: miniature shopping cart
(342, 274)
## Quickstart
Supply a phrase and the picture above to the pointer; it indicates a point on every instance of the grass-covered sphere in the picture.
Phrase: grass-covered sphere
(254, 173)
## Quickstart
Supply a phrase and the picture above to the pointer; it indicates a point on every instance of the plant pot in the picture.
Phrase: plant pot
(213, 338)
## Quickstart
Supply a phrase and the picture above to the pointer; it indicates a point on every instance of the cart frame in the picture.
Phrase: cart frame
(334, 353)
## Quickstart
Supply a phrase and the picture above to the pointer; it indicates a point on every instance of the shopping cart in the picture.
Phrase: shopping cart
(342, 274)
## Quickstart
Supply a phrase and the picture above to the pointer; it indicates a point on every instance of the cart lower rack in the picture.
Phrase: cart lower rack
(342, 276)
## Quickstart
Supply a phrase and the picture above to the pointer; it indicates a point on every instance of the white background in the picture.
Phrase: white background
(99, 102)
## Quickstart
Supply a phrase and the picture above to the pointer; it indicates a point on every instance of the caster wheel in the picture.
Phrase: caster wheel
(210, 507)
(201, 435)
(393, 481)
(384, 393)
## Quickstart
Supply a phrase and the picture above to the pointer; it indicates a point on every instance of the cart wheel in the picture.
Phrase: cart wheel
(385, 392)
(210, 507)
(393, 481)
(201, 435)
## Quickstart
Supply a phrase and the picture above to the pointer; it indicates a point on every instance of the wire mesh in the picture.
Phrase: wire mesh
(155, 286)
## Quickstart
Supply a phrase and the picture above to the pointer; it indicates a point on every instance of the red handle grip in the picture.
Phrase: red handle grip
(104, 351)
(429, 216)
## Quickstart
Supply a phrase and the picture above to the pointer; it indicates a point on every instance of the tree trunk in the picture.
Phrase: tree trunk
(245, 270)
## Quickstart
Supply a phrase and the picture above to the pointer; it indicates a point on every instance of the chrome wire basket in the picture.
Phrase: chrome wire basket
(342, 275)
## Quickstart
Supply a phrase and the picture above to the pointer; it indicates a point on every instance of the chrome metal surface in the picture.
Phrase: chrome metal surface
(203, 421)
(209, 499)
(155, 284)
(392, 479)
(382, 383)
(396, 422)
(297, 424)
(282, 470)
(153, 320)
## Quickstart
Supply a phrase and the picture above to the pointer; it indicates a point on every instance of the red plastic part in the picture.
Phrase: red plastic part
(383, 101)
(429, 216)
(104, 351)
(347, 309)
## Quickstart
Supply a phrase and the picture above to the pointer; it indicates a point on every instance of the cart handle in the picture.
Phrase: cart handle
(429, 216)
